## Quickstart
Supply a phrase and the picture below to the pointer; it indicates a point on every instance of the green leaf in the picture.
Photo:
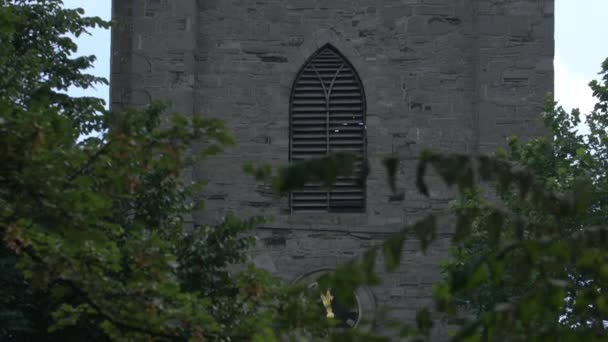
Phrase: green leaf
(420, 172)
(494, 224)
(393, 248)
(425, 231)
(391, 164)
(463, 226)
(582, 195)
(581, 152)
(424, 321)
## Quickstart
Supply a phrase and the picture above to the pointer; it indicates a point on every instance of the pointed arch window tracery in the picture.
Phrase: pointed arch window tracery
(327, 115)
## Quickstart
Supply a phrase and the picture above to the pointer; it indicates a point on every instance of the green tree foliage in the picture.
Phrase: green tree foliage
(558, 261)
(91, 209)
(95, 247)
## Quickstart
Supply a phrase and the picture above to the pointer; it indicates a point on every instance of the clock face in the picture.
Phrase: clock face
(346, 316)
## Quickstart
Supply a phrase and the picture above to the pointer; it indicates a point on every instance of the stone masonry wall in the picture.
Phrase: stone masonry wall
(452, 75)
(514, 68)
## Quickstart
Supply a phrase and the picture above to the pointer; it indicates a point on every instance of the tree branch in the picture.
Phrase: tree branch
(89, 163)
(29, 251)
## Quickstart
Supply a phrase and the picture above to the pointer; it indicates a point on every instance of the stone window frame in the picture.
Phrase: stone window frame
(350, 196)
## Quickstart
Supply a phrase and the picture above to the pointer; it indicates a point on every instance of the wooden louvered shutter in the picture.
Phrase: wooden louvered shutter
(327, 115)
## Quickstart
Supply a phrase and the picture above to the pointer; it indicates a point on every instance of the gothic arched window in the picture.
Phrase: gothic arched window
(327, 115)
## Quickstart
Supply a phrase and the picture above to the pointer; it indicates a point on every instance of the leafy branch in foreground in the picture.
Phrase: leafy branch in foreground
(92, 205)
(572, 162)
(530, 261)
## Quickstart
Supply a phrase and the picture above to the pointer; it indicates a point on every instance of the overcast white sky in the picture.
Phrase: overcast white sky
(580, 38)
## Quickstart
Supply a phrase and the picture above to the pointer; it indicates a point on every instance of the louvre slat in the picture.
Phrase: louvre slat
(346, 149)
(339, 145)
(329, 63)
(347, 85)
(356, 132)
(308, 123)
(309, 97)
(326, 75)
(310, 112)
(309, 148)
(310, 138)
(345, 116)
(334, 130)
(312, 201)
(322, 58)
(344, 82)
(308, 142)
(309, 87)
(304, 129)
(307, 103)
(341, 198)
(303, 116)
(327, 68)
(321, 201)
(340, 142)
(345, 135)
(338, 81)
(306, 156)
(351, 190)
(309, 210)
(310, 82)
(310, 195)
(311, 207)
(338, 127)
(346, 101)
(302, 136)
(351, 186)
(346, 104)
(346, 186)
(309, 90)
(319, 152)
(345, 122)
(344, 89)
(305, 151)
(300, 149)
(352, 106)
(355, 109)
(340, 97)
(312, 190)
(297, 148)
(347, 206)
(354, 200)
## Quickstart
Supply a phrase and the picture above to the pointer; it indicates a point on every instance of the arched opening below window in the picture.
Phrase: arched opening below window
(360, 315)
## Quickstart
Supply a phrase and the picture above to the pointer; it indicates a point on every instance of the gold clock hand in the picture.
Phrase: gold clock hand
(327, 299)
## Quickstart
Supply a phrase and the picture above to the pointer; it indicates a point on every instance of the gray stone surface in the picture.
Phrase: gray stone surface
(452, 75)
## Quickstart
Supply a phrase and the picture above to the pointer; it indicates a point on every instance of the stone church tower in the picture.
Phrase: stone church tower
(295, 79)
